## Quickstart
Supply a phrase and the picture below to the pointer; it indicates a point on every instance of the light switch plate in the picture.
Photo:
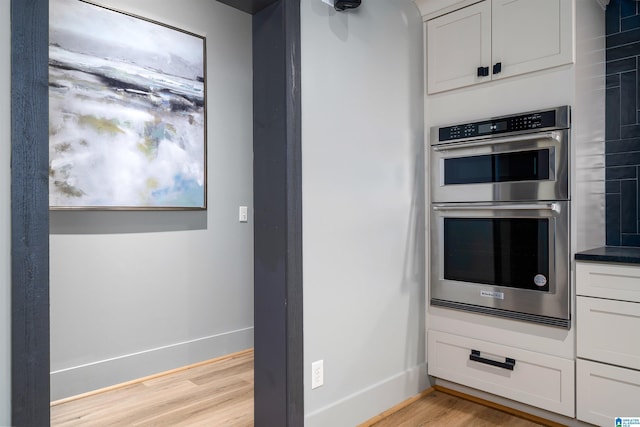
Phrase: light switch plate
(243, 214)
(317, 374)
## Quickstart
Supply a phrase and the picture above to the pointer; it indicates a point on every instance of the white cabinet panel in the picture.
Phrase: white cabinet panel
(621, 282)
(537, 379)
(457, 44)
(605, 392)
(530, 35)
(521, 35)
(609, 331)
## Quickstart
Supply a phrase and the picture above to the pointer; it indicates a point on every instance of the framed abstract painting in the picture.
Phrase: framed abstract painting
(127, 111)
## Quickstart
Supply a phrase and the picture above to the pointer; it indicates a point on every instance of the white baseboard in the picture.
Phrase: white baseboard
(366, 404)
(104, 373)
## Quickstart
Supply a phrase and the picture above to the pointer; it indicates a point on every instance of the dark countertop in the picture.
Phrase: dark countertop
(625, 255)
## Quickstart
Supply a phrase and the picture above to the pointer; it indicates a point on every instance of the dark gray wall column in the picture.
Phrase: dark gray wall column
(29, 213)
(279, 391)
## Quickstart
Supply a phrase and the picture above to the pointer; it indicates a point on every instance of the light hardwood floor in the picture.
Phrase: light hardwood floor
(442, 409)
(220, 393)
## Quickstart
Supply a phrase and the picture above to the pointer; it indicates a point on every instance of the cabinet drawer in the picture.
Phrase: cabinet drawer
(605, 392)
(539, 380)
(607, 331)
(621, 282)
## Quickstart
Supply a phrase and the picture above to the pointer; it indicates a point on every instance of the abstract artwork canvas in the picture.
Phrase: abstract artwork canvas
(127, 118)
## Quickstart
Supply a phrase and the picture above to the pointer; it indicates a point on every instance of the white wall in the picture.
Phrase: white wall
(5, 214)
(134, 293)
(363, 208)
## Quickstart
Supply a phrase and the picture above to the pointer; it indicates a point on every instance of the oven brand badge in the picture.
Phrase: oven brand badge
(540, 280)
(490, 294)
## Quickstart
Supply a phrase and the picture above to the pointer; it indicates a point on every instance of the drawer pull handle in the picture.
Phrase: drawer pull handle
(507, 364)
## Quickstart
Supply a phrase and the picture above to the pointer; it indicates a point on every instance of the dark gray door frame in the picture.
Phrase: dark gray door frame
(29, 213)
(279, 393)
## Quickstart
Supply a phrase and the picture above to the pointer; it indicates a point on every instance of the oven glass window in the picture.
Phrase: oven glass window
(515, 166)
(512, 252)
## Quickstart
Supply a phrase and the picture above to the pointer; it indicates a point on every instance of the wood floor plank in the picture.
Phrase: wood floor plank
(215, 405)
(231, 371)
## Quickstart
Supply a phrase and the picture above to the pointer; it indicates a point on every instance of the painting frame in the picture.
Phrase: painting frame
(128, 122)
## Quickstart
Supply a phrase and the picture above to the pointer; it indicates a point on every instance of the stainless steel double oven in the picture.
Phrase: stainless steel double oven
(500, 211)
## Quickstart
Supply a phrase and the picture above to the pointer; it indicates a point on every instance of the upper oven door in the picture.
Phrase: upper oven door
(524, 167)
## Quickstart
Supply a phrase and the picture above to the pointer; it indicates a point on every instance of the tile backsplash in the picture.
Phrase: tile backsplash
(623, 123)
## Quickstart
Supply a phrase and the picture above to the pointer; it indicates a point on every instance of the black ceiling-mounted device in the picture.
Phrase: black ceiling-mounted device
(341, 5)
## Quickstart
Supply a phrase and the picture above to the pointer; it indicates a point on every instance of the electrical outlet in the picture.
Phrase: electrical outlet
(243, 214)
(317, 374)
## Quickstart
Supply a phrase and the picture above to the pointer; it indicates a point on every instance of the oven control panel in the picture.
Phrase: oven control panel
(517, 123)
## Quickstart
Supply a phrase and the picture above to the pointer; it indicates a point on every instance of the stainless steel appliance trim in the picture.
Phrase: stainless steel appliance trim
(543, 320)
(497, 140)
(546, 206)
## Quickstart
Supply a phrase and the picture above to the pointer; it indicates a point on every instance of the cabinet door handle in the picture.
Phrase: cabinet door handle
(497, 67)
(483, 71)
(507, 364)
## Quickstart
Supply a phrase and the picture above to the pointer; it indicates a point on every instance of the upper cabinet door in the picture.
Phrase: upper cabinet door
(458, 44)
(530, 35)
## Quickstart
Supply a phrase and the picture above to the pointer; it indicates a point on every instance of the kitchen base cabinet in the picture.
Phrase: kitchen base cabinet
(608, 281)
(605, 392)
(536, 379)
(608, 344)
(609, 331)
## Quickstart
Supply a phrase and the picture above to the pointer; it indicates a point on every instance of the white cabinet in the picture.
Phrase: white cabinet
(609, 331)
(457, 44)
(605, 392)
(533, 378)
(608, 348)
(531, 35)
(494, 39)
(609, 281)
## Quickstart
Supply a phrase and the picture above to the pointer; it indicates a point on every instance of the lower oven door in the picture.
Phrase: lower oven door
(504, 259)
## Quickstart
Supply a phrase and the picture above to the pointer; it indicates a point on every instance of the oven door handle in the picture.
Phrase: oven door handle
(494, 141)
(555, 207)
